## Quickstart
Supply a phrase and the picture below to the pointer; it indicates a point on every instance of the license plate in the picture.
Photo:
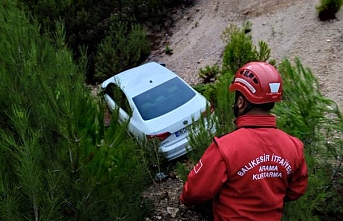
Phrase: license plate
(180, 132)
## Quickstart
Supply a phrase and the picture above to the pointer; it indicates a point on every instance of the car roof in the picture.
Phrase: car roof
(136, 80)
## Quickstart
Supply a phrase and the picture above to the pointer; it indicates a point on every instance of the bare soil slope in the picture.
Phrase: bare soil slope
(290, 28)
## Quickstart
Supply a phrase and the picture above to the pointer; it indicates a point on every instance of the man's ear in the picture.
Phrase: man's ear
(241, 103)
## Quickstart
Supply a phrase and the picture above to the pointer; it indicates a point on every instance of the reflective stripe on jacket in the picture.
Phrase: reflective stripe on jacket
(250, 172)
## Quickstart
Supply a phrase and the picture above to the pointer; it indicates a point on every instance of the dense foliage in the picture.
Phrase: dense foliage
(240, 49)
(107, 29)
(121, 49)
(317, 121)
(58, 162)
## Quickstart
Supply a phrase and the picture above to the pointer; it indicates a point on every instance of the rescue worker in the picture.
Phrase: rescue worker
(249, 173)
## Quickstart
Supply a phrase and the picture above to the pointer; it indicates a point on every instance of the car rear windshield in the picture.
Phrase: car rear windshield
(163, 98)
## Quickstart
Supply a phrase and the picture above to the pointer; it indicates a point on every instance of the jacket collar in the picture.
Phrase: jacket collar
(255, 121)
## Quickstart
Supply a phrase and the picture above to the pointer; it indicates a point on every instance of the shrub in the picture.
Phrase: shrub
(89, 22)
(168, 50)
(239, 48)
(327, 9)
(317, 121)
(58, 162)
(209, 74)
(124, 47)
(307, 109)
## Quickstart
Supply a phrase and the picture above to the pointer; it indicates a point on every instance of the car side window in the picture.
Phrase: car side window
(119, 97)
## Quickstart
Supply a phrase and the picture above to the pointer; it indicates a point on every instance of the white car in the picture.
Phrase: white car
(158, 104)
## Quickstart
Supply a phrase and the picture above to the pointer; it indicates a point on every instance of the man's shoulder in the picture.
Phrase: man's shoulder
(292, 137)
(226, 135)
(231, 136)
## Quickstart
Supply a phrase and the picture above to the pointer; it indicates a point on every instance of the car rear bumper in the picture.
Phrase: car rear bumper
(176, 149)
(180, 147)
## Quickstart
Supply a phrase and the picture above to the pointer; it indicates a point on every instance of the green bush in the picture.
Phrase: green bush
(90, 23)
(168, 50)
(123, 47)
(307, 109)
(58, 162)
(240, 49)
(209, 74)
(317, 121)
(327, 9)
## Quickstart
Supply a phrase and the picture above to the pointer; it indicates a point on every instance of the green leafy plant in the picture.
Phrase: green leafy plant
(327, 9)
(240, 49)
(58, 161)
(200, 132)
(89, 22)
(209, 74)
(304, 104)
(123, 47)
(168, 50)
(154, 159)
(316, 120)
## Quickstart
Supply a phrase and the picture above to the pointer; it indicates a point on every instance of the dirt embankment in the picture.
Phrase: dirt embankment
(289, 27)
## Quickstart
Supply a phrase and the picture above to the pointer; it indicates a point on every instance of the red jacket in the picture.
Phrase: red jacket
(249, 173)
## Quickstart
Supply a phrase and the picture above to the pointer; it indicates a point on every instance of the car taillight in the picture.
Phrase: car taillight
(161, 137)
(204, 113)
